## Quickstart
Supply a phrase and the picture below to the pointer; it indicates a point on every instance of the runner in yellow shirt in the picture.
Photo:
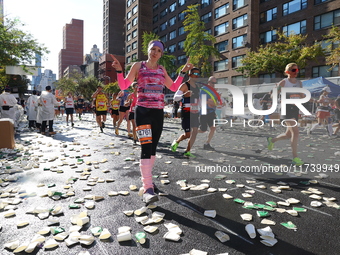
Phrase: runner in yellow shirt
(114, 109)
(101, 104)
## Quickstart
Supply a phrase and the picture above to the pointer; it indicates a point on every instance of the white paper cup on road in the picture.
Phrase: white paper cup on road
(269, 242)
(122, 237)
(172, 236)
(30, 248)
(82, 221)
(223, 237)
(247, 216)
(22, 247)
(250, 228)
(210, 213)
(140, 210)
(123, 229)
(12, 244)
(105, 234)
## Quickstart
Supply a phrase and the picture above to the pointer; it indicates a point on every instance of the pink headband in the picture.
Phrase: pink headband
(156, 43)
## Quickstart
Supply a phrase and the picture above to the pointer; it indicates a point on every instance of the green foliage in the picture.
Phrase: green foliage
(18, 47)
(78, 86)
(333, 37)
(273, 57)
(112, 88)
(166, 60)
(199, 45)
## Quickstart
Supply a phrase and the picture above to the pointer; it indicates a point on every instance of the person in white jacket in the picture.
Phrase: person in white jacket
(31, 109)
(47, 101)
(7, 104)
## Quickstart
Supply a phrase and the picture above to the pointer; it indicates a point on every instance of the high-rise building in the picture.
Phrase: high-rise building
(48, 78)
(73, 45)
(238, 26)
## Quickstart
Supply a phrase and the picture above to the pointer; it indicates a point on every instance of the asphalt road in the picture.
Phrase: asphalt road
(237, 149)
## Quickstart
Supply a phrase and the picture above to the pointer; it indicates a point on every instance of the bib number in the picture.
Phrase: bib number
(144, 134)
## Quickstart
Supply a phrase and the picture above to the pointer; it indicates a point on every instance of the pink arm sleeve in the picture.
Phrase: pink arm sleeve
(123, 83)
(174, 87)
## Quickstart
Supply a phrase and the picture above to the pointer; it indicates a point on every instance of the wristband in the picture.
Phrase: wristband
(119, 71)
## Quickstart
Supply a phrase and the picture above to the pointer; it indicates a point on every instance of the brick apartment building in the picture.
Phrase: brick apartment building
(73, 46)
(238, 26)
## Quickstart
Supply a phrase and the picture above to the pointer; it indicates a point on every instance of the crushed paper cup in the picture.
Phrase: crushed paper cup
(84, 253)
(315, 203)
(9, 213)
(289, 225)
(283, 203)
(86, 239)
(82, 221)
(125, 236)
(22, 223)
(141, 237)
(44, 231)
(266, 232)
(247, 216)
(96, 231)
(140, 211)
(197, 252)
(172, 236)
(124, 229)
(133, 187)
(250, 228)
(292, 212)
(105, 234)
(269, 242)
(141, 218)
(293, 201)
(173, 228)
(31, 247)
(210, 213)
(12, 245)
(211, 190)
(89, 204)
(268, 222)
(21, 247)
(227, 196)
(38, 238)
(112, 193)
(61, 237)
(150, 229)
(51, 243)
(223, 237)
(128, 213)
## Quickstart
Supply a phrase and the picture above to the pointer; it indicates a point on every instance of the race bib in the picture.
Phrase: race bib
(154, 88)
(101, 103)
(194, 108)
(144, 134)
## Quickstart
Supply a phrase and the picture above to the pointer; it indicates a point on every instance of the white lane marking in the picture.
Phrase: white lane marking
(331, 184)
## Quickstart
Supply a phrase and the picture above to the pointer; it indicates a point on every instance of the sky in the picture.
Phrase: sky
(45, 19)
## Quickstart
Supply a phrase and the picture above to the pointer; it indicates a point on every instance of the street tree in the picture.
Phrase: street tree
(273, 57)
(333, 37)
(199, 45)
(111, 88)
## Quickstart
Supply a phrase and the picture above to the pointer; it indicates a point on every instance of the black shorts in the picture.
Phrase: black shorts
(69, 110)
(114, 112)
(190, 121)
(207, 121)
(124, 108)
(131, 116)
(80, 106)
(99, 113)
(292, 112)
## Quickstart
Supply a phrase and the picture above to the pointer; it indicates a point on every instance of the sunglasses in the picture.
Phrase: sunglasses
(198, 74)
(294, 70)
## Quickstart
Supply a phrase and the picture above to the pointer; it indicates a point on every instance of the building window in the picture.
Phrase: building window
(221, 29)
(172, 35)
(239, 3)
(128, 60)
(327, 20)
(172, 48)
(128, 26)
(134, 10)
(294, 6)
(181, 30)
(328, 47)
(128, 37)
(134, 33)
(181, 2)
(221, 65)
(128, 3)
(181, 60)
(155, 7)
(239, 41)
(222, 46)
(296, 28)
(180, 45)
(128, 48)
(134, 45)
(267, 37)
(163, 2)
(181, 16)
(129, 15)
(240, 21)
(205, 3)
(221, 11)
(321, 1)
(223, 80)
(172, 21)
(135, 21)
(155, 30)
(162, 26)
(268, 15)
(163, 13)
(325, 71)
(206, 17)
(155, 19)
(267, 78)
(237, 61)
(172, 7)
(208, 31)
(238, 80)
(134, 57)
(164, 38)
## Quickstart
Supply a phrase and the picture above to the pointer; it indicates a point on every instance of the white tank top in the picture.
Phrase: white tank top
(289, 84)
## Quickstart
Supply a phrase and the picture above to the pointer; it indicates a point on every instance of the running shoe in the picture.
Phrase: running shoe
(208, 147)
(116, 131)
(270, 143)
(189, 155)
(130, 135)
(297, 161)
(52, 133)
(174, 146)
(72, 124)
(103, 124)
(149, 196)
(101, 129)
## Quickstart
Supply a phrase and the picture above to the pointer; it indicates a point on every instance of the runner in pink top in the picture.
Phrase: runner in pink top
(152, 80)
